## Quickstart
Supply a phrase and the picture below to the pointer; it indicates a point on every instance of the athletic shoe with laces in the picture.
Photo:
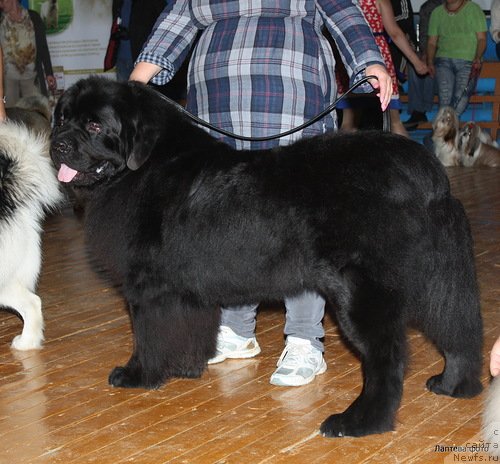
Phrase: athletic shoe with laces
(299, 363)
(232, 346)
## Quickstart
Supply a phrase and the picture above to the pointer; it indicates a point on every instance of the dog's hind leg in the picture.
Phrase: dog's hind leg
(173, 338)
(29, 307)
(370, 317)
(460, 341)
(453, 320)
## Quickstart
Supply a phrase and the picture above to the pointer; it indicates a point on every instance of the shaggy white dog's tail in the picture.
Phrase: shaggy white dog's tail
(491, 418)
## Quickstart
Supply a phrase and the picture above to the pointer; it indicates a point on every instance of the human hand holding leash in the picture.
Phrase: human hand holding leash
(383, 83)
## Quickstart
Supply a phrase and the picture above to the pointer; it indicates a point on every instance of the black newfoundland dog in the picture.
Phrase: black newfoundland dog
(187, 224)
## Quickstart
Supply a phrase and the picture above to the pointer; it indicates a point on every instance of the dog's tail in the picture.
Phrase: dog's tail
(491, 418)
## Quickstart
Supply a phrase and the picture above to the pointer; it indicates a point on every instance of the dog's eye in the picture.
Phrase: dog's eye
(93, 127)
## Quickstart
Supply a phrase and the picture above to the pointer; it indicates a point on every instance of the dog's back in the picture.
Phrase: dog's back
(489, 156)
(34, 112)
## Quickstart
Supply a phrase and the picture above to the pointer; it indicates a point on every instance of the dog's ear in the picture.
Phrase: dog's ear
(474, 144)
(143, 133)
(451, 135)
(143, 144)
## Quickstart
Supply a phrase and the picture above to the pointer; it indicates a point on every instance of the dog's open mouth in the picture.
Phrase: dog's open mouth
(67, 174)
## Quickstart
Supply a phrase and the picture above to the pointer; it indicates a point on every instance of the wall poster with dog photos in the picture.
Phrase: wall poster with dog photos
(77, 35)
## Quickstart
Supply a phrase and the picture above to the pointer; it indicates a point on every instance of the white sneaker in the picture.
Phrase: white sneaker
(231, 345)
(299, 363)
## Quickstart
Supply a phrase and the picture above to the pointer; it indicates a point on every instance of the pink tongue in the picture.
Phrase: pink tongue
(66, 174)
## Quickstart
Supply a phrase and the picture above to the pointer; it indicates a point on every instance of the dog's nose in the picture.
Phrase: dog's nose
(61, 146)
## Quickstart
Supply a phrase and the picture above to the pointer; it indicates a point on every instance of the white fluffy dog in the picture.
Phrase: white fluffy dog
(491, 418)
(476, 147)
(28, 187)
(445, 136)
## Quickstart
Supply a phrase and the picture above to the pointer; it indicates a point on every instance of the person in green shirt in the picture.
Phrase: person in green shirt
(455, 47)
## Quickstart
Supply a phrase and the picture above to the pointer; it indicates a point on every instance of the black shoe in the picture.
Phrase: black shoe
(415, 119)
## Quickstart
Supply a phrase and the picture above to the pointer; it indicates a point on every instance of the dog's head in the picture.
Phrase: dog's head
(102, 128)
(446, 125)
(469, 139)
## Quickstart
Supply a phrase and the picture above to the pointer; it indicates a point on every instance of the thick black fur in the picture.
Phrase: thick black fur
(187, 224)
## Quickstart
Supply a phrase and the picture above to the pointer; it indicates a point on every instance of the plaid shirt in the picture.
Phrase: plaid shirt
(261, 67)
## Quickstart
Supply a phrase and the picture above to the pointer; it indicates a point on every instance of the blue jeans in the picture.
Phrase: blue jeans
(421, 91)
(452, 77)
(304, 316)
(124, 62)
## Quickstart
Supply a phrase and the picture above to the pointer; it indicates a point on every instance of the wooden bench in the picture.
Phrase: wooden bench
(490, 70)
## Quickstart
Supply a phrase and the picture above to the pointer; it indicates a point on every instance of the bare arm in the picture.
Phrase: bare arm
(495, 20)
(398, 36)
(480, 49)
(432, 41)
(144, 72)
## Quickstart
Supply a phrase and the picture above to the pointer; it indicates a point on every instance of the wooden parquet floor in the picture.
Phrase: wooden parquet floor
(57, 407)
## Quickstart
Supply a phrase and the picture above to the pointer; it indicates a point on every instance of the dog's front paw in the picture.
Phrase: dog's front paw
(127, 377)
(333, 426)
(23, 343)
(346, 425)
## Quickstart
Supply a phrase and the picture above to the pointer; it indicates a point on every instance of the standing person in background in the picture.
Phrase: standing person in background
(403, 15)
(260, 68)
(27, 64)
(132, 24)
(121, 58)
(133, 21)
(495, 24)
(381, 19)
(455, 47)
(421, 89)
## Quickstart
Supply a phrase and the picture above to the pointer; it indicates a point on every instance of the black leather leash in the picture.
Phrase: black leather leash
(386, 123)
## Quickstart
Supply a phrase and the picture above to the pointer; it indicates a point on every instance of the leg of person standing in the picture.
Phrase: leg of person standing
(420, 98)
(445, 79)
(11, 91)
(462, 82)
(236, 339)
(18, 88)
(29, 87)
(302, 358)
